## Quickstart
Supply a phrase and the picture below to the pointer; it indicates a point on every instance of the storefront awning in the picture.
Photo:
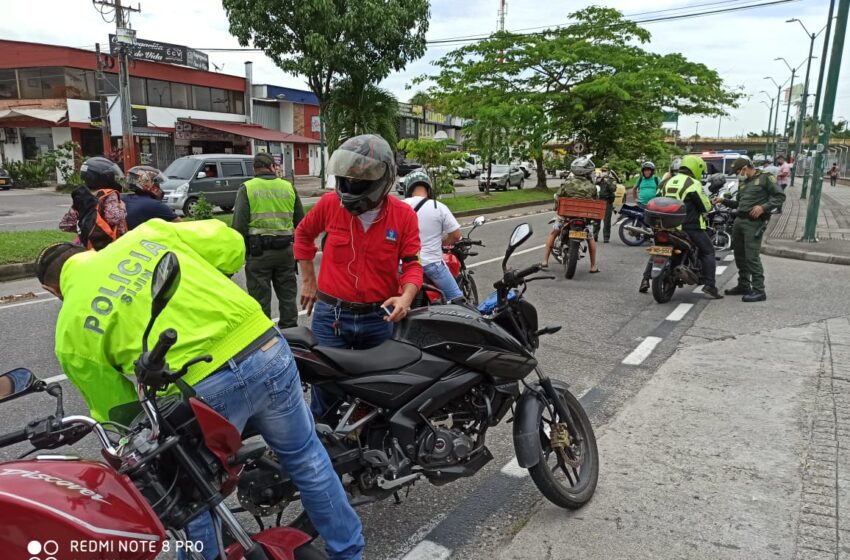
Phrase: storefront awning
(52, 116)
(254, 131)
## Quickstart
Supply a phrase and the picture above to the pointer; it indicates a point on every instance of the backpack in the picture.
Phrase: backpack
(101, 216)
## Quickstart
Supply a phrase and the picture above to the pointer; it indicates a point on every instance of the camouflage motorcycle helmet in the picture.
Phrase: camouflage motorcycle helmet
(417, 178)
(146, 180)
(583, 167)
(365, 171)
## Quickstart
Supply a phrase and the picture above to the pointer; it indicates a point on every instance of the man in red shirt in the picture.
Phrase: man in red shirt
(360, 293)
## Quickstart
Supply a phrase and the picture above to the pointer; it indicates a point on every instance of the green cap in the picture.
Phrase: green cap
(741, 163)
(263, 159)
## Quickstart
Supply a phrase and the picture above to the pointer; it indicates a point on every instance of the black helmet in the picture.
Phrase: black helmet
(647, 165)
(101, 173)
(365, 172)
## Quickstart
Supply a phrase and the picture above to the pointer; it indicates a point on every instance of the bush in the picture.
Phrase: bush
(34, 173)
(203, 210)
(29, 174)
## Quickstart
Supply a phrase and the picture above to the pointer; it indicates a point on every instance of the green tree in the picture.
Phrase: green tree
(587, 79)
(435, 157)
(420, 98)
(357, 108)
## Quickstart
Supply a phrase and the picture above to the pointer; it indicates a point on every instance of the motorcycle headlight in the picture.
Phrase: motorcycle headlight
(182, 189)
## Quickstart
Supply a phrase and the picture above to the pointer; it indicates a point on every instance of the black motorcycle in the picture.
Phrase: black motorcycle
(633, 230)
(720, 223)
(418, 406)
(673, 255)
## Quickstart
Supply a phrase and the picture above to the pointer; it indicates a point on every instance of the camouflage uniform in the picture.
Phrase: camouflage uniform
(578, 187)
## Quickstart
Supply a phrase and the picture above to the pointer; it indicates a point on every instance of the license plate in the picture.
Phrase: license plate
(2, 181)
(578, 235)
(660, 250)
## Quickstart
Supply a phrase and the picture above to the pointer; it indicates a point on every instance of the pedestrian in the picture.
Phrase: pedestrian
(758, 194)
(783, 178)
(360, 292)
(833, 175)
(252, 377)
(674, 168)
(266, 212)
(608, 192)
(686, 187)
(97, 214)
(646, 185)
(437, 228)
(144, 201)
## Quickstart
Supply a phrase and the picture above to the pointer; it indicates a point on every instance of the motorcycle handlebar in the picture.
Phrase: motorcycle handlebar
(167, 339)
(528, 271)
(13, 438)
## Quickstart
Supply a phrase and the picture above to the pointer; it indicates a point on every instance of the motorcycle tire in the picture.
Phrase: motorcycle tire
(663, 287)
(572, 259)
(721, 240)
(309, 552)
(469, 289)
(582, 479)
(630, 238)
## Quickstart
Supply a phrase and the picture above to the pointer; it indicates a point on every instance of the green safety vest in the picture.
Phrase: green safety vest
(679, 186)
(272, 204)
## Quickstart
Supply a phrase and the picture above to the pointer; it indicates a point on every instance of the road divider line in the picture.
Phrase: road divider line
(720, 270)
(11, 305)
(428, 550)
(699, 288)
(513, 469)
(642, 352)
(729, 258)
(680, 311)
(488, 261)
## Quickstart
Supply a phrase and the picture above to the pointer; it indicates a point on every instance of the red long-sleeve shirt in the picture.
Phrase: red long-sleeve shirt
(362, 266)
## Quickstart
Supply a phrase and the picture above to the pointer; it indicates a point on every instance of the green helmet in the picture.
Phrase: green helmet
(417, 178)
(694, 165)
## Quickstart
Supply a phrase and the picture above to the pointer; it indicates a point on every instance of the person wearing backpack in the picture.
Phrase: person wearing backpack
(97, 214)
(608, 192)
(646, 185)
(144, 201)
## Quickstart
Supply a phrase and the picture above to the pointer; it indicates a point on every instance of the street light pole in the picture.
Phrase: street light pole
(790, 93)
(801, 115)
(810, 232)
(769, 123)
(776, 117)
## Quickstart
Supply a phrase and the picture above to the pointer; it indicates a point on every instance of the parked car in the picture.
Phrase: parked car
(216, 176)
(406, 166)
(6, 181)
(527, 168)
(502, 177)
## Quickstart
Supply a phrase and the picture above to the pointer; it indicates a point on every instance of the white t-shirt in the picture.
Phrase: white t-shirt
(434, 224)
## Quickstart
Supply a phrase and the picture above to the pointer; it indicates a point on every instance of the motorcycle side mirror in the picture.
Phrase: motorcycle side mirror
(520, 235)
(17, 383)
(479, 221)
(166, 278)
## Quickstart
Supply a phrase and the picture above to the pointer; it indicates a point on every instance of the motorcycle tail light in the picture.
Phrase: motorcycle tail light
(579, 223)
(662, 237)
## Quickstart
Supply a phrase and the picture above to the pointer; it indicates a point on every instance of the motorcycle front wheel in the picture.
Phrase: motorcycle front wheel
(630, 238)
(571, 259)
(721, 240)
(663, 287)
(566, 474)
(467, 286)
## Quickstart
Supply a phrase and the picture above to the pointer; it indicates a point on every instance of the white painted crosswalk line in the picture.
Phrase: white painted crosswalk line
(427, 550)
(642, 352)
(680, 311)
(729, 258)
(698, 289)
(720, 270)
(513, 469)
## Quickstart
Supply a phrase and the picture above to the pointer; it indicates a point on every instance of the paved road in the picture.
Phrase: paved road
(604, 320)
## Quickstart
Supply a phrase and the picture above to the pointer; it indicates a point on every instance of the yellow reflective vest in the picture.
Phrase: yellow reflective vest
(272, 204)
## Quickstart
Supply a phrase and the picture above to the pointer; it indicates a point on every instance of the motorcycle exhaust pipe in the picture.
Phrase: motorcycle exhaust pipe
(639, 231)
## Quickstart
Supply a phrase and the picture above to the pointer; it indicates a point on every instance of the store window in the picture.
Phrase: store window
(220, 100)
(109, 84)
(138, 91)
(36, 141)
(8, 84)
(179, 95)
(159, 93)
(42, 83)
(201, 98)
(237, 102)
(231, 168)
(79, 84)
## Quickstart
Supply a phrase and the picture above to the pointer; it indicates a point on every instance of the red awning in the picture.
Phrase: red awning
(254, 131)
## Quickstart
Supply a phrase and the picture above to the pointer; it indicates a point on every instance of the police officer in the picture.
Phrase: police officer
(607, 192)
(686, 186)
(266, 212)
(758, 194)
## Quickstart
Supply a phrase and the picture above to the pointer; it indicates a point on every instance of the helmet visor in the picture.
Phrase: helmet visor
(359, 167)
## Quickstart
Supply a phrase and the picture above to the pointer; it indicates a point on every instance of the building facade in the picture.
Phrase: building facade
(296, 112)
(416, 121)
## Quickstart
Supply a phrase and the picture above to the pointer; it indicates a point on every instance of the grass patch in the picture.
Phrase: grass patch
(24, 246)
(481, 202)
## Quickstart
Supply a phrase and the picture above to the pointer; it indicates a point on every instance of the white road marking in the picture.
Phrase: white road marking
(720, 270)
(698, 289)
(513, 469)
(428, 550)
(680, 311)
(488, 261)
(11, 305)
(729, 258)
(642, 352)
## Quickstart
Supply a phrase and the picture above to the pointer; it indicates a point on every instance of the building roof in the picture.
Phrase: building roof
(291, 94)
(254, 131)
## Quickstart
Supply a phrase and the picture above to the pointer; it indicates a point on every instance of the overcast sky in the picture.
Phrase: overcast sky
(740, 45)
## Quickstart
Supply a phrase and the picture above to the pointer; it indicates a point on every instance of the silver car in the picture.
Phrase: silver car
(502, 177)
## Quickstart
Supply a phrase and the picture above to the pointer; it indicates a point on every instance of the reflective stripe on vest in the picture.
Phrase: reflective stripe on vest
(679, 188)
(272, 204)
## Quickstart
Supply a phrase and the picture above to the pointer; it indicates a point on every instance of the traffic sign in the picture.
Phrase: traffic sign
(578, 147)
(820, 148)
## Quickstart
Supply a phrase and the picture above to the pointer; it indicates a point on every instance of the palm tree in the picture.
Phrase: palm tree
(356, 108)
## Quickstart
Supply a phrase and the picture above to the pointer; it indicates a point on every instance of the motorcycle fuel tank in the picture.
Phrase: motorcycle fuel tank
(69, 508)
(464, 336)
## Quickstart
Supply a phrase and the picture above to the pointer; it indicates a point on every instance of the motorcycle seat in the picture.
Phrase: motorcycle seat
(389, 355)
(299, 336)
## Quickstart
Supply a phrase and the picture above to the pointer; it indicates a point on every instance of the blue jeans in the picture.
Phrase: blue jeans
(440, 275)
(356, 330)
(265, 388)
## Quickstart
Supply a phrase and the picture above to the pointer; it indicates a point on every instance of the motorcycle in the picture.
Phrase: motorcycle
(455, 258)
(633, 230)
(720, 222)
(418, 406)
(571, 243)
(673, 256)
(177, 460)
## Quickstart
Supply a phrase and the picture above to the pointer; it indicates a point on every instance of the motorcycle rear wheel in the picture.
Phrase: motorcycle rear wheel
(572, 259)
(629, 238)
(562, 484)
(663, 287)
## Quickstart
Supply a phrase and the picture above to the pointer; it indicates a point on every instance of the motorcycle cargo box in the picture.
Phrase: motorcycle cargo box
(581, 208)
(665, 212)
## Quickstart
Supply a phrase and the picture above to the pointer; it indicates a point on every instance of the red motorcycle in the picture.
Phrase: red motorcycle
(455, 258)
(176, 460)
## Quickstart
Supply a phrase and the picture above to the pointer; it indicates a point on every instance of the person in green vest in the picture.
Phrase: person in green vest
(266, 213)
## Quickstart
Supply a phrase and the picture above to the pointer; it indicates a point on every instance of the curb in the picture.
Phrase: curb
(811, 256)
(16, 271)
(480, 211)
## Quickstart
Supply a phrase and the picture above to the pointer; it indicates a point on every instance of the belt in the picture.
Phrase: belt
(354, 307)
(257, 344)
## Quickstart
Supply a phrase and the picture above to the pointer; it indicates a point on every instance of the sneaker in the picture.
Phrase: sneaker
(644, 286)
(754, 296)
(737, 291)
(711, 292)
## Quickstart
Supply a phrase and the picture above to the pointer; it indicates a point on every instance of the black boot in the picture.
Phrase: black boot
(754, 296)
(737, 291)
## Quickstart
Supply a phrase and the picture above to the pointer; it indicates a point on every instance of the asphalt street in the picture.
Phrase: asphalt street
(605, 320)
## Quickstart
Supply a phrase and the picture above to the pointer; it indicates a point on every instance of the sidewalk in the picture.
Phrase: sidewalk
(833, 228)
(736, 448)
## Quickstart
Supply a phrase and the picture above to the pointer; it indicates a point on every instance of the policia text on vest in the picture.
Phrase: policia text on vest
(266, 213)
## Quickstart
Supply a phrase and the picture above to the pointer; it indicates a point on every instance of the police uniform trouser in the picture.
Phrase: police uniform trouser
(609, 211)
(275, 267)
(746, 244)
(705, 250)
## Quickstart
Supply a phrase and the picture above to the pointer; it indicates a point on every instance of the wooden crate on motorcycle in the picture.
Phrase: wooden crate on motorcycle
(581, 208)
(663, 212)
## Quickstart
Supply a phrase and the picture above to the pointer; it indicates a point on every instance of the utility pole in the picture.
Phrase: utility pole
(503, 8)
(124, 37)
(818, 93)
(104, 109)
(769, 124)
(810, 233)
(801, 115)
